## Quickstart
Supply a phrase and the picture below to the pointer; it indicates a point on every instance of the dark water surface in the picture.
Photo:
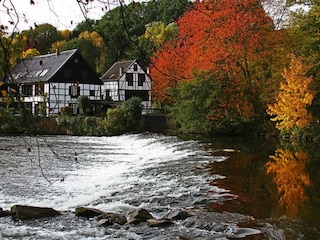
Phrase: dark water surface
(278, 182)
(236, 188)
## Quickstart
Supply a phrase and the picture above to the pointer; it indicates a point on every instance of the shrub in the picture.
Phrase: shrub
(66, 111)
(116, 121)
(123, 119)
(84, 105)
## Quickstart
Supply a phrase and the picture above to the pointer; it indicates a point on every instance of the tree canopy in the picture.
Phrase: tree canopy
(224, 39)
(228, 57)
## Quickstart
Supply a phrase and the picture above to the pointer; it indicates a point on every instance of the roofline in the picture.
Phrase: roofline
(124, 70)
(58, 69)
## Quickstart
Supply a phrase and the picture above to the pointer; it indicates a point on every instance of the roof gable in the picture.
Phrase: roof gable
(42, 68)
(115, 72)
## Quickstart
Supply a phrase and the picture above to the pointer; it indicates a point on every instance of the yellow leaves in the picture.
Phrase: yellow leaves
(94, 37)
(4, 93)
(290, 109)
(290, 178)
(158, 32)
(57, 45)
(32, 52)
(65, 34)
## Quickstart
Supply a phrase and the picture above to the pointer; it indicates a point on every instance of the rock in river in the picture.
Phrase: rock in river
(24, 212)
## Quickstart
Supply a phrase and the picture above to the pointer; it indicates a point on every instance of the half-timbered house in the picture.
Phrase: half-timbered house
(126, 79)
(55, 81)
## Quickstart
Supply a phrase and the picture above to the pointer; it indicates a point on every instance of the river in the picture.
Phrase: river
(238, 188)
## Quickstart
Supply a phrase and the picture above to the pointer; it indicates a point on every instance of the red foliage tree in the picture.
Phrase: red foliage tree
(226, 38)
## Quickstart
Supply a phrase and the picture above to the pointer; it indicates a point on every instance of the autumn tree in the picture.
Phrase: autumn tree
(223, 38)
(290, 108)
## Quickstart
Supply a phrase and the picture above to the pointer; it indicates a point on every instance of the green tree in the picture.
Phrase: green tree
(304, 29)
(200, 105)
(87, 48)
(193, 103)
(121, 27)
(42, 37)
(86, 25)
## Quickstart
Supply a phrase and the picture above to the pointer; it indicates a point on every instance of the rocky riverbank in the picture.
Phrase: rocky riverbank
(180, 223)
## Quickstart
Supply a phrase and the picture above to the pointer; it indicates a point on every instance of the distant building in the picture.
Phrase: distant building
(124, 80)
(55, 81)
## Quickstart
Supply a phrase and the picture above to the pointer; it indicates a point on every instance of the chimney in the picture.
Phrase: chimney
(57, 52)
(120, 71)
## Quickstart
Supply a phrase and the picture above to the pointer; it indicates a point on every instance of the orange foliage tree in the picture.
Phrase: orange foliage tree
(290, 108)
(290, 177)
(223, 38)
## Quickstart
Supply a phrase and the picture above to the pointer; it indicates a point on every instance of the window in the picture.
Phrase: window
(92, 93)
(74, 91)
(129, 78)
(135, 67)
(27, 90)
(141, 79)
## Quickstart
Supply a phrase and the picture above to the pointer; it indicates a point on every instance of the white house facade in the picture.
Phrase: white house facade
(124, 80)
(54, 81)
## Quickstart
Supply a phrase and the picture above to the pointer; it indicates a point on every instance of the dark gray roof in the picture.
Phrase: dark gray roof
(117, 70)
(40, 68)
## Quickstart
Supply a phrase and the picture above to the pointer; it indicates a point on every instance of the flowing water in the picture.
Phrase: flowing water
(223, 182)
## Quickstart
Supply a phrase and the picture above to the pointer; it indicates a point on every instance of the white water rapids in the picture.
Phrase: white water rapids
(115, 174)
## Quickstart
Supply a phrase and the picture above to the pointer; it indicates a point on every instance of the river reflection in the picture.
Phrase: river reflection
(291, 178)
(274, 181)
